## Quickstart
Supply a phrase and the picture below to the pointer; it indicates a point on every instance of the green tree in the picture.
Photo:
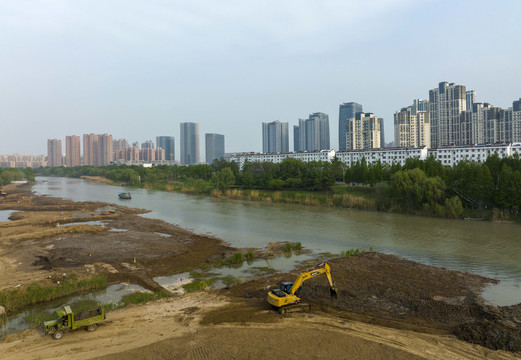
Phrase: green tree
(453, 207)
(223, 179)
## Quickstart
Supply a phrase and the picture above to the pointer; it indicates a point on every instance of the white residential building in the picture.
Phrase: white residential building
(385, 156)
(449, 155)
(306, 156)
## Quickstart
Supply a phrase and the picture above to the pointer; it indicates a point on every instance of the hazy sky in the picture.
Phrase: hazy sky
(137, 69)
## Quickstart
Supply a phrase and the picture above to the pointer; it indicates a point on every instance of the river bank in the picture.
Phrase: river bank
(397, 295)
(340, 196)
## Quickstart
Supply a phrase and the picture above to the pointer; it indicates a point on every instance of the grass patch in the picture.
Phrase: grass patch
(355, 252)
(198, 284)
(236, 258)
(15, 300)
(230, 280)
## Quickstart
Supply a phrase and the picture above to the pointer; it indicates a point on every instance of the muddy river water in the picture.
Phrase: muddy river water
(484, 248)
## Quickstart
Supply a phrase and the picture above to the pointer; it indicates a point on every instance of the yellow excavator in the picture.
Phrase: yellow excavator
(286, 298)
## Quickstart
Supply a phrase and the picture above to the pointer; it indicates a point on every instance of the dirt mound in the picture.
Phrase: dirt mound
(391, 291)
(493, 327)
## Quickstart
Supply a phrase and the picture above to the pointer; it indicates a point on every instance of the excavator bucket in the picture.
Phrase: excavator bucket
(332, 292)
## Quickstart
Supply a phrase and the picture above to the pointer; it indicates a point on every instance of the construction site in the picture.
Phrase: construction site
(385, 307)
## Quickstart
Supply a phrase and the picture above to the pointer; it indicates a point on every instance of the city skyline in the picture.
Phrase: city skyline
(137, 71)
(507, 130)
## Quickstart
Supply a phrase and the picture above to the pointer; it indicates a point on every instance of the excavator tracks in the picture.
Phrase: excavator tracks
(300, 307)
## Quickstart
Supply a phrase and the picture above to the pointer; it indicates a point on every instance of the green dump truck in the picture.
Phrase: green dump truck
(67, 320)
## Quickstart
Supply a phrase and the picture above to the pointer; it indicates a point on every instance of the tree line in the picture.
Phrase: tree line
(9, 175)
(419, 185)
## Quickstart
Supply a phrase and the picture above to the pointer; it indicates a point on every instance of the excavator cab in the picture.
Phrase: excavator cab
(285, 286)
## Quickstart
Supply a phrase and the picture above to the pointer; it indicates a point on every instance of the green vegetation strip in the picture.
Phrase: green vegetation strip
(354, 252)
(14, 300)
(489, 189)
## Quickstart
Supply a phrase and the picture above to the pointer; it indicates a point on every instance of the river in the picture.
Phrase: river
(484, 248)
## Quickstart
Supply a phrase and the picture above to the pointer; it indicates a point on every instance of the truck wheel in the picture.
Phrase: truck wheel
(57, 335)
(91, 327)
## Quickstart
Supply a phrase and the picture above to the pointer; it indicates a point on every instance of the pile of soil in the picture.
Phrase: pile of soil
(391, 291)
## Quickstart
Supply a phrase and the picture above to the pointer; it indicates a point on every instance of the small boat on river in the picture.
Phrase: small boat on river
(124, 195)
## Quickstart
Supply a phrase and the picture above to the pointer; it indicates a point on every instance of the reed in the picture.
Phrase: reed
(14, 300)
(250, 255)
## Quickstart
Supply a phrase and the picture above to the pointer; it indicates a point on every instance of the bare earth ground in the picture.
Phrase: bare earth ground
(188, 328)
(387, 307)
(36, 245)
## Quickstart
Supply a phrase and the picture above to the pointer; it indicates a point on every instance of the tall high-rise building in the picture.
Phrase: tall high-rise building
(90, 150)
(363, 132)
(516, 121)
(189, 143)
(447, 104)
(72, 151)
(151, 154)
(484, 123)
(471, 98)
(54, 152)
(149, 144)
(412, 125)
(120, 149)
(346, 111)
(120, 144)
(214, 147)
(275, 137)
(382, 133)
(168, 144)
(133, 153)
(98, 150)
(296, 138)
(312, 134)
(106, 149)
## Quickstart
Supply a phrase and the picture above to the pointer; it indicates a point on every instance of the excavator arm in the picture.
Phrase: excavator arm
(317, 270)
